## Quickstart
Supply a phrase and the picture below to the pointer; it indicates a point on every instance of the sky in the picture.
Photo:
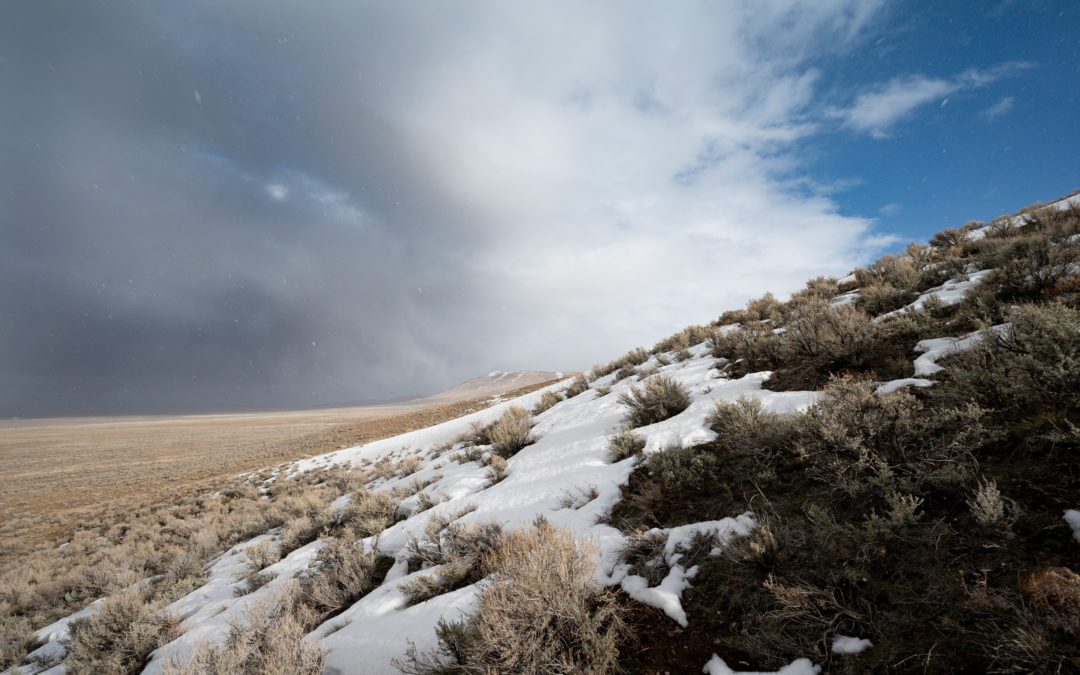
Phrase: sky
(235, 205)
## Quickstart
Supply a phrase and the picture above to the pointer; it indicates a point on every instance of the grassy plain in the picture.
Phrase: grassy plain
(56, 474)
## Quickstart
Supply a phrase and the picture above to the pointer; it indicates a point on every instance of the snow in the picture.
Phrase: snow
(569, 457)
(949, 293)
(1021, 220)
(667, 596)
(1072, 517)
(892, 385)
(664, 597)
(844, 644)
(939, 348)
(846, 298)
(716, 666)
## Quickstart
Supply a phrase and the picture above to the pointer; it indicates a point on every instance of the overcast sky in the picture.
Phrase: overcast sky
(233, 205)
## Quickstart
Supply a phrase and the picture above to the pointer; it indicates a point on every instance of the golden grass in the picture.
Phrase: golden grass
(56, 474)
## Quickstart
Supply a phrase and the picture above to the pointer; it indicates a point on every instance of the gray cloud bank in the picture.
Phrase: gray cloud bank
(254, 204)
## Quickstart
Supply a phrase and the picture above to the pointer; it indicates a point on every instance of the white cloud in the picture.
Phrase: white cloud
(277, 192)
(1000, 108)
(634, 170)
(878, 109)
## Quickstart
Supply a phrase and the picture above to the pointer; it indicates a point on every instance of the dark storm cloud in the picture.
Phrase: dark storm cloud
(146, 263)
(213, 205)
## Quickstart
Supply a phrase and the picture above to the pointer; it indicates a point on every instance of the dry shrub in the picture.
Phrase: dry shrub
(302, 530)
(17, 639)
(1028, 374)
(269, 640)
(578, 385)
(754, 344)
(878, 299)
(635, 357)
(543, 612)
(578, 496)
(496, 469)
(658, 399)
(897, 271)
(118, 636)
(624, 444)
(252, 583)
(746, 426)
(991, 510)
(258, 557)
(372, 512)
(949, 238)
(340, 574)
(511, 432)
(680, 469)
(870, 444)
(821, 288)
(1032, 266)
(455, 550)
(549, 399)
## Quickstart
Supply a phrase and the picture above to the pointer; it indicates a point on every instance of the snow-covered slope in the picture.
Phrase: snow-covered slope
(569, 459)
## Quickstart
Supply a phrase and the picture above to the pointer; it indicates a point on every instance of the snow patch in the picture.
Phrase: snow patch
(716, 666)
(892, 385)
(1072, 517)
(939, 348)
(845, 644)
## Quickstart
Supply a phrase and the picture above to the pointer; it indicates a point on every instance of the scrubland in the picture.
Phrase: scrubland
(880, 473)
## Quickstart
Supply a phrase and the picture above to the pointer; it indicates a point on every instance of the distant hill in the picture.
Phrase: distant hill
(494, 383)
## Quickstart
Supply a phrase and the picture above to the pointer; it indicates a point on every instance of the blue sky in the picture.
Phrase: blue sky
(262, 203)
(977, 150)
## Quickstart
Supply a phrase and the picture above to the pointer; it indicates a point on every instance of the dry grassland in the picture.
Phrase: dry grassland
(57, 474)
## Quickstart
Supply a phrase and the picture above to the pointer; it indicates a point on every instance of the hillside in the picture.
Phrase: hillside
(879, 473)
(493, 384)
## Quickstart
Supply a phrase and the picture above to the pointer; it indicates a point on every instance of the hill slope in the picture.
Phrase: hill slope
(880, 473)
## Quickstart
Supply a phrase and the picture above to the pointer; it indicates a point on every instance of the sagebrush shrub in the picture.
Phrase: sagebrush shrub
(455, 549)
(826, 338)
(746, 426)
(658, 398)
(1028, 374)
(511, 432)
(269, 640)
(372, 512)
(878, 299)
(867, 443)
(549, 399)
(118, 636)
(895, 271)
(990, 509)
(754, 344)
(578, 385)
(624, 444)
(644, 552)
(543, 612)
(496, 469)
(681, 469)
(341, 572)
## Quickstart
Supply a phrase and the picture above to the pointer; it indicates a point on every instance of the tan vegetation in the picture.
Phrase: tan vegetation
(543, 612)
(171, 534)
(659, 398)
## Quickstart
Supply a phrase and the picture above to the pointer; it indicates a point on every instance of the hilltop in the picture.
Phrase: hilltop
(880, 472)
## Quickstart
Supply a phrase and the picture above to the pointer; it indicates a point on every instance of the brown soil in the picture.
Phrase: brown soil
(56, 474)
(662, 647)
